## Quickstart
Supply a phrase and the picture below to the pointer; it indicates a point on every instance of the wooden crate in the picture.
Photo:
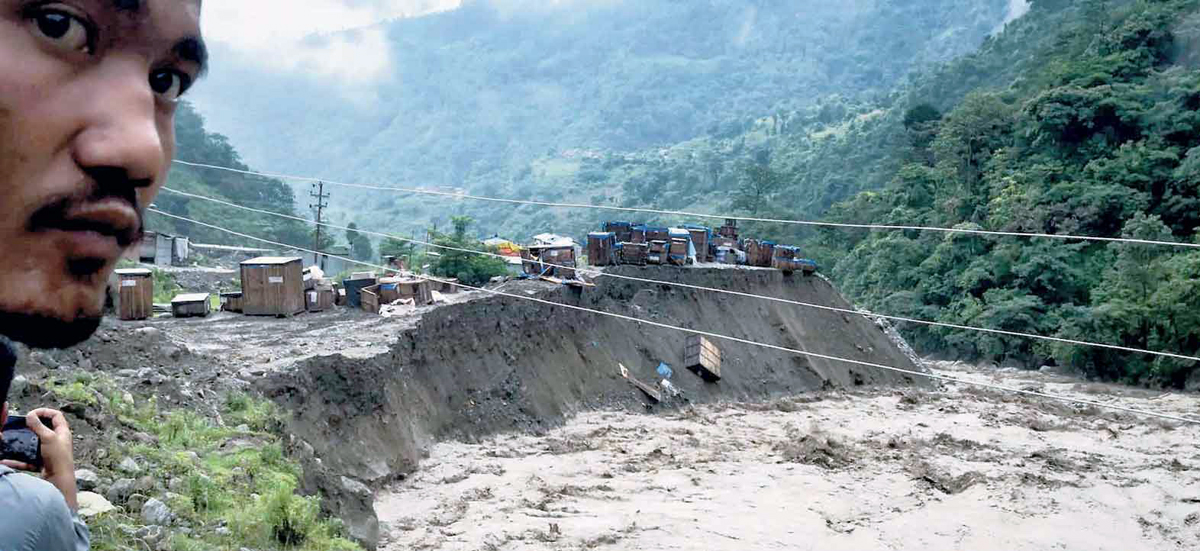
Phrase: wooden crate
(369, 298)
(677, 254)
(657, 253)
(273, 286)
(634, 253)
(703, 358)
(622, 230)
(194, 305)
(700, 240)
(232, 302)
(136, 295)
(319, 299)
(602, 249)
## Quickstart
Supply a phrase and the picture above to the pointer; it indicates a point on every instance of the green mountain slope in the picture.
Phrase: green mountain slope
(196, 144)
(1098, 134)
(490, 99)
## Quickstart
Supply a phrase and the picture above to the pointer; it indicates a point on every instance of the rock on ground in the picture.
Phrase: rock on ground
(156, 513)
(93, 504)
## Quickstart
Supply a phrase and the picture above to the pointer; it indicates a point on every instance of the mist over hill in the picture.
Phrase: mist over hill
(474, 96)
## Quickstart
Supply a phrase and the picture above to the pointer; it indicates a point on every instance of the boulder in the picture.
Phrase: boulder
(18, 386)
(129, 466)
(156, 513)
(1193, 382)
(120, 491)
(92, 504)
(86, 480)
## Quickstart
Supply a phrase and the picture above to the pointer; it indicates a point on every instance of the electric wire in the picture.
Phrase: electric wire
(600, 273)
(685, 214)
(913, 373)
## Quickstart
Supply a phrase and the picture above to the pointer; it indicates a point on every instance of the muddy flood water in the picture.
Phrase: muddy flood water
(949, 468)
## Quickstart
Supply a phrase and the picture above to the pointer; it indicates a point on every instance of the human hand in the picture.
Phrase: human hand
(58, 456)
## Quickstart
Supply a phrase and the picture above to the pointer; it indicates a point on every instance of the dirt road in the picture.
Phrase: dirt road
(951, 468)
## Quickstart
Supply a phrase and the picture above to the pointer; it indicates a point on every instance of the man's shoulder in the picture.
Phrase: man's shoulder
(32, 495)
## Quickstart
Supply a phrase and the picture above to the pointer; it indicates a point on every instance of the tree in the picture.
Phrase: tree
(456, 261)
(360, 245)
(759, 186)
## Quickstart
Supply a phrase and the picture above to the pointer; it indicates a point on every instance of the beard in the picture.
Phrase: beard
(38, 331)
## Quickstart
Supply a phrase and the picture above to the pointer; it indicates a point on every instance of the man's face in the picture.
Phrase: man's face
(88, 90)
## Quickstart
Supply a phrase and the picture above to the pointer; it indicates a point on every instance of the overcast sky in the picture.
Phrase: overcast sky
(272, 32)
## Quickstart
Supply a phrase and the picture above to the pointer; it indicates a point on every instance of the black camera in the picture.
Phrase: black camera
(19, 443)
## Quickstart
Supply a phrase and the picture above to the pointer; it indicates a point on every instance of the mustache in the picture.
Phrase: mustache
(56, 214)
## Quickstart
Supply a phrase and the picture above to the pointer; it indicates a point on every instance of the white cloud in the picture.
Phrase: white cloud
(1016, 10)
(278, 34)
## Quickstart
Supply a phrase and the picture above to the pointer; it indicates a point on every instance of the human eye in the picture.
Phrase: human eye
(60, 27)
(170, 84)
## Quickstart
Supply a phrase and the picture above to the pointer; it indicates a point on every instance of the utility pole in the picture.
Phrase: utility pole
(322, 198)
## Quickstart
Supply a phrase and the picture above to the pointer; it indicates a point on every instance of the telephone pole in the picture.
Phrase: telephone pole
(322, 198)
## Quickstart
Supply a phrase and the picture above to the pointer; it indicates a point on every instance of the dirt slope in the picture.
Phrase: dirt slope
(501, 364)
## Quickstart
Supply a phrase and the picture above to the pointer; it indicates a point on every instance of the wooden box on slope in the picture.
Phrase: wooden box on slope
(703, 358)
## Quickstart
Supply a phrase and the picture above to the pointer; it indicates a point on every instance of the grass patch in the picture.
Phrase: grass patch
(233, 489)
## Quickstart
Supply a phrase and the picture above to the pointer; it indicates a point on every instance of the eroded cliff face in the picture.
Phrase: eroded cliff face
(503, 364)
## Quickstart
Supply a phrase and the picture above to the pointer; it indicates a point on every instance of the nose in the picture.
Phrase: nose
(120, 133)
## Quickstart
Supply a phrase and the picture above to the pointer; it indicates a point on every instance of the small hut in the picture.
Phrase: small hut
(136, 295)
(273, 286)
(195, 305)
(232, 302)
(602, 248)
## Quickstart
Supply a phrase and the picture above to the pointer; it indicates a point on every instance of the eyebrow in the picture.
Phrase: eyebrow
(128, 5)
(190, 49)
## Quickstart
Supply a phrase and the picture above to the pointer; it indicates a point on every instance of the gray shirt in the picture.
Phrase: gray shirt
(34, 516)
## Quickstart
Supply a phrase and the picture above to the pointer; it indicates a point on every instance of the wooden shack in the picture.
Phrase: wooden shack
(729, 230)
(558, 261)
(273, 286)
(602, 248)
(637, 234)
(700, 238)
(657, 233)
(354, 287)
(369, 299)
(703, 358)
(759, 253)
(788, 260)
(678, 254)
(321, 297)
(622, 230)
(657, 253)
(194, 305)
(391, 289)
(232, 302)
(634, 253)
(136, 294)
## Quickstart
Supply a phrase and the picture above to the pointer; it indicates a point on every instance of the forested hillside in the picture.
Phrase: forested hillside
(550, 98)
(196, 144)
(1097, 135)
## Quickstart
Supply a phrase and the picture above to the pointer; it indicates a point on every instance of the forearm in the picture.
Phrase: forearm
(65, 482)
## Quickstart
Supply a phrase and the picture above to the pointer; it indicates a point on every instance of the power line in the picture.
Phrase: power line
(810, 223)
(933, 376)
(901, 319)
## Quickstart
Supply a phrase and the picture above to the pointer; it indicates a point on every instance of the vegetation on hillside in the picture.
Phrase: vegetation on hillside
(1100, 136)
(581, 100)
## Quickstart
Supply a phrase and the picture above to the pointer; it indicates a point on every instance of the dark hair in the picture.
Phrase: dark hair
(8, 362)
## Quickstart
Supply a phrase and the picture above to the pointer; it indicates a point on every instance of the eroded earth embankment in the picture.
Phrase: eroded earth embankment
(503, 364)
